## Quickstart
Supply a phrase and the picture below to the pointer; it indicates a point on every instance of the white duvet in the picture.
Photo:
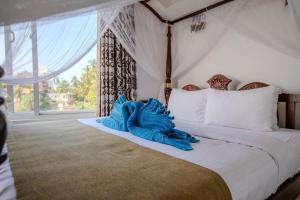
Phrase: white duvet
(7, 186)
(253, 164)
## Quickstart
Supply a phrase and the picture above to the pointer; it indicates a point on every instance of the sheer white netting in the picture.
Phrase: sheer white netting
(57, 43)
(145, 40)
(144, 37)
(267, 22)
(294, 6)
(190, 47)
(59, 46)
(62, 40)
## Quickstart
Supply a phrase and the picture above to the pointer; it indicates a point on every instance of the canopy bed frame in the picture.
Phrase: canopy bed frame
(218, 82)
(221, 82)
(168, 81)
(97, 146)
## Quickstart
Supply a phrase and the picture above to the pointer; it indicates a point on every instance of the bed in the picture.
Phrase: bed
(240, 163)
(7, 187)
(85, 160)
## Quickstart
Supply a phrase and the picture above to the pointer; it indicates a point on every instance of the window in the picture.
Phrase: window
(22, 54)
(74, 90)
(23, 98)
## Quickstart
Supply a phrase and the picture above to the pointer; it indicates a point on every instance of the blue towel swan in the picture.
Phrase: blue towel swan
(150, 121)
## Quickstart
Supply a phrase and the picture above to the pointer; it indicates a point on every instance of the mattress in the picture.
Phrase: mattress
(70, 160)
(253, 164)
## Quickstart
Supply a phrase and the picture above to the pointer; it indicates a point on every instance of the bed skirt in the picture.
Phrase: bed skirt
(69, 160)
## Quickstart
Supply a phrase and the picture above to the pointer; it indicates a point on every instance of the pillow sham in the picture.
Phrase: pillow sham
(188, 105)
(254, 109)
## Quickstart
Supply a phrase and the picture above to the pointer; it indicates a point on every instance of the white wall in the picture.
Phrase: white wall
(244, 61)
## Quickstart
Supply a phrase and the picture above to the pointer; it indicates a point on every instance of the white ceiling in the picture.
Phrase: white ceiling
(173, 9)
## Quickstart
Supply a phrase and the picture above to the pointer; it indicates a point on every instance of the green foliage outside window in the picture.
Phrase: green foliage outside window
(77, 94)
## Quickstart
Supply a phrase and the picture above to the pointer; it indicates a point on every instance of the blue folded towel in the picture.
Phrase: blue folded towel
(150, 121)
(153, 115)
(116, 120)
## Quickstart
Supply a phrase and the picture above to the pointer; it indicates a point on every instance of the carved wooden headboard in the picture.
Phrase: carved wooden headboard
(221, 82)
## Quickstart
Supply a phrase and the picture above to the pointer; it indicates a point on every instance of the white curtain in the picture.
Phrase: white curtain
(267, 22)
(151, 43)
(63, 39)
(59, 46)
(146, 43)
(294, 6)
(59, 41)
(17, 11)
(191, 47)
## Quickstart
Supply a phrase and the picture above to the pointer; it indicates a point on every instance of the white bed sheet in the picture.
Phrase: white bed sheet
(7, 186)
(253, 164)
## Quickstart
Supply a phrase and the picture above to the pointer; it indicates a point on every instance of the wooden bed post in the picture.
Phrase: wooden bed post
(290, 113)
(168, 83)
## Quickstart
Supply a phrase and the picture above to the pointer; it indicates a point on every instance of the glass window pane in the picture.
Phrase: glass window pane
(23, 98)
(73, 90)
(22, 51)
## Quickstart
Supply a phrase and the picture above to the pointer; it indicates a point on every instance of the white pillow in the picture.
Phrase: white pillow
(188, 105)
(254, 109)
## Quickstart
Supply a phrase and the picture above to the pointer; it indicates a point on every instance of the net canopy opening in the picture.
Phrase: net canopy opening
(42, 47)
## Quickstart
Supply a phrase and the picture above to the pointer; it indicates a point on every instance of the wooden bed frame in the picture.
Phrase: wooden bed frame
(218, 81)
(221, 82)
(168, 81)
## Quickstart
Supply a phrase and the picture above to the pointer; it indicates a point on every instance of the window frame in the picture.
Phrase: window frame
(8, 39)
